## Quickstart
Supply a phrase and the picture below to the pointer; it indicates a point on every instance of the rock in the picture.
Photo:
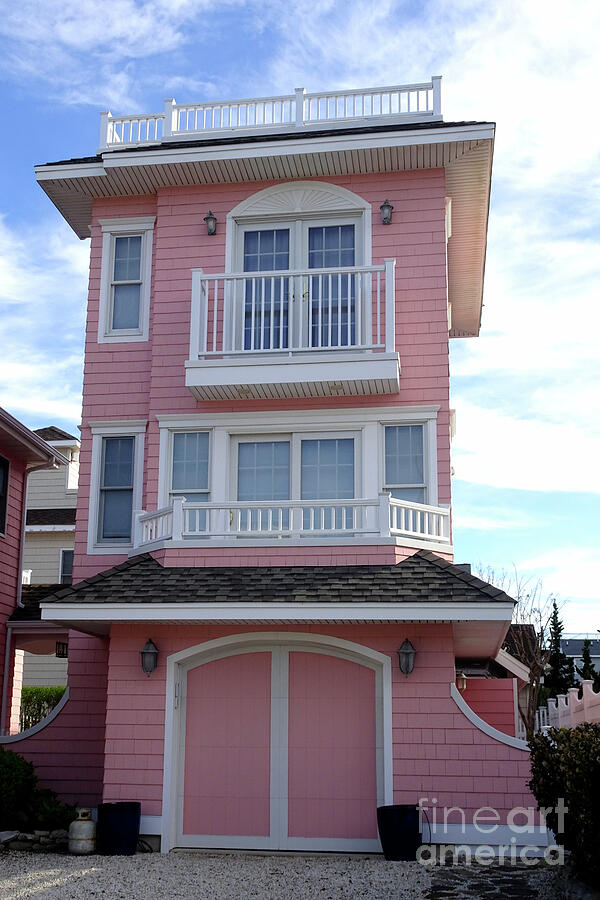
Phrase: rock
(19, 845)
(6, 836)
(60, 835)
(25, 836)
(41, 833)
(46, 840)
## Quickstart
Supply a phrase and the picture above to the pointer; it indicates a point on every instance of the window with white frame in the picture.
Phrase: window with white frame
(190, 472)
(125, 279)
(116, 483)
(404, 462)
(3, 493)
(66, 566)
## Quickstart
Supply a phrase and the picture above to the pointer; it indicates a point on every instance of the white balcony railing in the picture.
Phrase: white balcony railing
(286, 312)
(417, 102)
(292, 519)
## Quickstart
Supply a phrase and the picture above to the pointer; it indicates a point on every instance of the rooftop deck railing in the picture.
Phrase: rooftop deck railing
(272, 520)
(416, 102)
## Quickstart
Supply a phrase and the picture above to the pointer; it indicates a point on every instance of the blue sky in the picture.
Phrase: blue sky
(527, 450)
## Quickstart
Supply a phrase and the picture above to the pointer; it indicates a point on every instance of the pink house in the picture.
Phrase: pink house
(264, 488)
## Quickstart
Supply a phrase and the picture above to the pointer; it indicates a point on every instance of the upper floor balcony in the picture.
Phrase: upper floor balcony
(300, 112)
(293, 333)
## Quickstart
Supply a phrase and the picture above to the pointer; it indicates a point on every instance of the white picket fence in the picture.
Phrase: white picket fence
(568, 710)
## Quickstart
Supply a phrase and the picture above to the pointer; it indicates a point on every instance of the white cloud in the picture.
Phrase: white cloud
(43, 284)
(573, 573)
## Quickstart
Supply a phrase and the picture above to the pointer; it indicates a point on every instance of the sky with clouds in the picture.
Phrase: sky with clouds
(527, 392)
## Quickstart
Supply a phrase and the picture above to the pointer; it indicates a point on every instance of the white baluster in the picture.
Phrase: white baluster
(390, 305)
(384, 513)
(177, 527)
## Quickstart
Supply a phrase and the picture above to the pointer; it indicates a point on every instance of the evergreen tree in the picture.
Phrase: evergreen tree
(560, 672)
(587, 670)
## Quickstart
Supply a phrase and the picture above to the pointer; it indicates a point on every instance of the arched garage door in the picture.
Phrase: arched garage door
(280, 748)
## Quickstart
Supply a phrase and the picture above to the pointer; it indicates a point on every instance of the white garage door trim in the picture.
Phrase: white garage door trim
(178, 665)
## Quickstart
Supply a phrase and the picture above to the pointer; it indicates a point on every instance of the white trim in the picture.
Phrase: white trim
(513, 665)
(307, 144)
(37, 528)
(100, 430)
(150, 824)
(279, 644)
(357, 540)
(482, 725)
(298, 418)
(142, 226)
(193, 611)
(23, 735)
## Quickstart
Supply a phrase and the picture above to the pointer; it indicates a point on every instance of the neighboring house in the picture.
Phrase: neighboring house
(572, 645)
(264, 508)
(22, 455)
(49, 543)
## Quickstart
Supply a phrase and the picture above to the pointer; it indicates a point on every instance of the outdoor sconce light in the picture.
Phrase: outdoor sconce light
(406, 657)
(211, 222)
(149, 657)
(461, 681)
(62, 650)
(386, 212)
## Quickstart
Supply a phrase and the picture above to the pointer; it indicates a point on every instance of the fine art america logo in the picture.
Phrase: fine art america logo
(523, 839)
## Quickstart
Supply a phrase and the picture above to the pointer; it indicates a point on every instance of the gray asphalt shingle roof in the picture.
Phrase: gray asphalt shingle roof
(422, 577)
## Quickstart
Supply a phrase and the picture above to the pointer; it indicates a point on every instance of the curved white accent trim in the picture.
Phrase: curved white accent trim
(482, 725)
(179, 663)
(23, 735)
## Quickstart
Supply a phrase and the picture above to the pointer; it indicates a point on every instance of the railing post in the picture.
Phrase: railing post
(300, 92)
(105, 118)
(436, 82)
(587, 689)
(137, 528)
(384, 513)
(196, 314)
(390, 305)
(177, 521)
(170, 119)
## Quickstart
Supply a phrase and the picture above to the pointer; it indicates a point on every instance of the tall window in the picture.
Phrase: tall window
(126, 283)
(266, 300)
(404, 462)
(3, 493)
(189, 473)
(116, 489)
(125, 279)
(66, 566)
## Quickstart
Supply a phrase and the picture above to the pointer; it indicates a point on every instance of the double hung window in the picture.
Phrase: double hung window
(189, 473)
(404, 462)
(66, 566)
(125, 279)
(116, 489)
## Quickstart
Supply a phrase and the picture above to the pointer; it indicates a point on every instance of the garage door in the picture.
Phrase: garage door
(280, 752)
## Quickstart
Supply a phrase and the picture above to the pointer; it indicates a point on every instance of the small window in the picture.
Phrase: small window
(66, 566)
(3, 493)
(404, 463)
(125, 280)
(116, 490)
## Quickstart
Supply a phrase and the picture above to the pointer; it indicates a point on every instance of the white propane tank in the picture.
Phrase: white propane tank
(82, 833)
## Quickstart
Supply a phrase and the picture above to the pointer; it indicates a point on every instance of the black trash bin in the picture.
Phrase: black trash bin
(118, 828)
(399, 831)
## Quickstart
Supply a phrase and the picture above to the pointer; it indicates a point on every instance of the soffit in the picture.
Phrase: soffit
(464, 151)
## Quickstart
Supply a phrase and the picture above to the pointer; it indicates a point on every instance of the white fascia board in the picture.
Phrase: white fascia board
(38, 528)
(297, 417)
(206, 374)
(69, 170)
(513, 665)
(259, 612)
(302, 145)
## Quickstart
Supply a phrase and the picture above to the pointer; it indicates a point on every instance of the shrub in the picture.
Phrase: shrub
(37, 703)
(24, 805)
(18, 783)
(565, 763)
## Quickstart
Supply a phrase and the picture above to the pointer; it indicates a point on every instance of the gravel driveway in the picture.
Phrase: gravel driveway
(234, 876)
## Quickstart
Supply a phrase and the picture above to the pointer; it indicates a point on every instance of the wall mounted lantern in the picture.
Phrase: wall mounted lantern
(461, 681)
(62, 650)
(406, 657)
(386, 212)
(149, 657)
(211, 222)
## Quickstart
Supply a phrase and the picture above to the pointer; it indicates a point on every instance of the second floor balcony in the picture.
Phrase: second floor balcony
(383, 519)
(293, 333)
